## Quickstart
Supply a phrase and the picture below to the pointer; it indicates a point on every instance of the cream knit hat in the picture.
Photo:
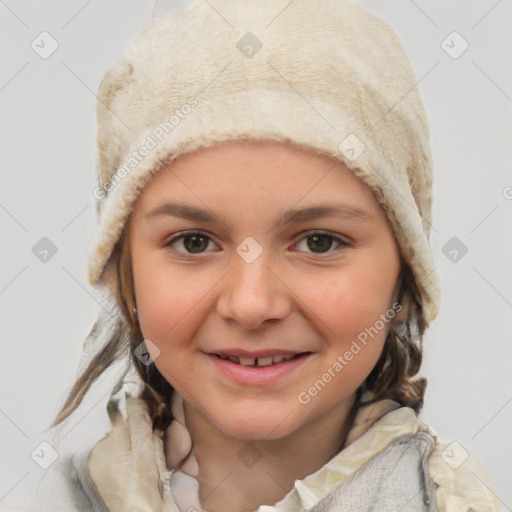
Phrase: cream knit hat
(323, 75)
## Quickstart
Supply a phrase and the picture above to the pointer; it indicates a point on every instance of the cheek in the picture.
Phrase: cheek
(352, 309)
(349, 301)
(170, 304)
(168, 317)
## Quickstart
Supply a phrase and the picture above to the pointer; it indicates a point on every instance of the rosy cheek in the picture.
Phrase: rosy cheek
(171, 315)
(342, 306)
(162, 320)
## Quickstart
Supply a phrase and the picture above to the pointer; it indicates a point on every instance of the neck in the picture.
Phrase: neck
(239, 476)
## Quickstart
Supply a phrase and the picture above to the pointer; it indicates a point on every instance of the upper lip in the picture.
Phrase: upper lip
(254, 354)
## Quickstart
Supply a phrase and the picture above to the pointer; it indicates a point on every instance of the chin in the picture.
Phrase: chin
(265, 425)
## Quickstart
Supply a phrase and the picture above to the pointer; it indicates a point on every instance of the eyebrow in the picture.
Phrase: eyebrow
(292, 216)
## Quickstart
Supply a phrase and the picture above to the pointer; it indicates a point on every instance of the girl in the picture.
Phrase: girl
(264, 199)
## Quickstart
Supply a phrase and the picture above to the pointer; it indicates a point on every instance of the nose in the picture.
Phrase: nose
(253, 293)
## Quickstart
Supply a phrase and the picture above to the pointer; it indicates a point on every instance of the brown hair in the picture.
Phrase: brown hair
(391, 377)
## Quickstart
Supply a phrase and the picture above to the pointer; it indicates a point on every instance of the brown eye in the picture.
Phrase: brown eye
(193, 243)
(319, 242)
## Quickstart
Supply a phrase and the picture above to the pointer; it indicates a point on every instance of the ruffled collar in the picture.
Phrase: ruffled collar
(130, 466)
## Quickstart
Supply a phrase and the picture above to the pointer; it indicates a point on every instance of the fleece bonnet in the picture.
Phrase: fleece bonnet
(324, 75)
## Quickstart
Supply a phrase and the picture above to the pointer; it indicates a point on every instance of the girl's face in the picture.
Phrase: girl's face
(247, 252)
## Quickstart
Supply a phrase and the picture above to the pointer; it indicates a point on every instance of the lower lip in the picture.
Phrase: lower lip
(258, 375)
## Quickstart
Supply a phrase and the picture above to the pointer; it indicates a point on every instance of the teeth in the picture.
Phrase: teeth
(259, 361)
(264, 361)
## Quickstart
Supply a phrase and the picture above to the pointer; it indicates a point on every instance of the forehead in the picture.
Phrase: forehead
(267, 175)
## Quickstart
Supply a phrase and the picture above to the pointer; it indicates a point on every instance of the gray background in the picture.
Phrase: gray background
(48, 156)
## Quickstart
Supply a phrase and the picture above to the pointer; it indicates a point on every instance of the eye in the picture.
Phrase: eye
(194, 242)
(321, 242)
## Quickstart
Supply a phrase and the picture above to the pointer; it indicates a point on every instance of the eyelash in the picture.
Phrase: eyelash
(187, 234)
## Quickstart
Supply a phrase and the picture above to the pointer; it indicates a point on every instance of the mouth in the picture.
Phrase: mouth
(259, 361)
(261, 368)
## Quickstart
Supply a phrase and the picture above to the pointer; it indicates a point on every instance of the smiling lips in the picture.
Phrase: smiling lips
(258, 358)
(257, 361)
(257, 367)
